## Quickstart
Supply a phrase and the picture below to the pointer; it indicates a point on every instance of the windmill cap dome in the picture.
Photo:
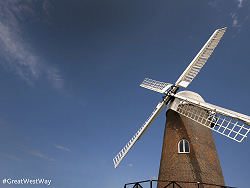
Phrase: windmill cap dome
(192, 95)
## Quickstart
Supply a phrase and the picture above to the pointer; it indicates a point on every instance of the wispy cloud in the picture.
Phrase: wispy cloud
(240, 3)
(239, 12)
(235, 20)
(130, 165)
(41, 155)
(16, 53)
(12, 157)
(63, 148)
(240, 15)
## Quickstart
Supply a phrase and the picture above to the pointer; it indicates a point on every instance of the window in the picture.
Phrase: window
(183, 146)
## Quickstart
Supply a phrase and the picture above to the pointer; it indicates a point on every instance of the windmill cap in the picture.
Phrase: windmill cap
(192, 95)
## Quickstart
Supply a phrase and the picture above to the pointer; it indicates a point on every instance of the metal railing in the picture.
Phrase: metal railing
(172, 184)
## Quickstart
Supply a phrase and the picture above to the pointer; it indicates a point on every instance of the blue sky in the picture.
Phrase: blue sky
(70, 74)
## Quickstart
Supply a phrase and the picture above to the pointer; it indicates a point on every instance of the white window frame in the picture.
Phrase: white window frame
(183, 144)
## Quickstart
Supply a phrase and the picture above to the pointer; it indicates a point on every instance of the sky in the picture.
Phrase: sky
(70, 73)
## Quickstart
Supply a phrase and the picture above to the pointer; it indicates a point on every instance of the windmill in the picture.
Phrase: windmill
(202, 117)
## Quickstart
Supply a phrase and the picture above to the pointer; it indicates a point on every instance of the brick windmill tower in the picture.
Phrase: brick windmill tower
(189, 153)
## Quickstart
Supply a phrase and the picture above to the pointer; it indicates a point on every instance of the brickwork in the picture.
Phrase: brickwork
(200, 165)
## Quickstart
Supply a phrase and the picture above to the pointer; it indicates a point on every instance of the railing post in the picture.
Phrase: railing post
(151, 184)
(125, 186)
(198, 184)
(173, 183)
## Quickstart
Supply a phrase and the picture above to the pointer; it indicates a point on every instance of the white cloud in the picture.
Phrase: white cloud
(235, 20)
(239, 16)
(17, 56)
(17, 53)
(41, 155)
(130, 165)
(63, 148)
(12, 157)
(240, 3)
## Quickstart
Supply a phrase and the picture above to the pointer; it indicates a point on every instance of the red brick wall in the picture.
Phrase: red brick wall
(200, 165)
